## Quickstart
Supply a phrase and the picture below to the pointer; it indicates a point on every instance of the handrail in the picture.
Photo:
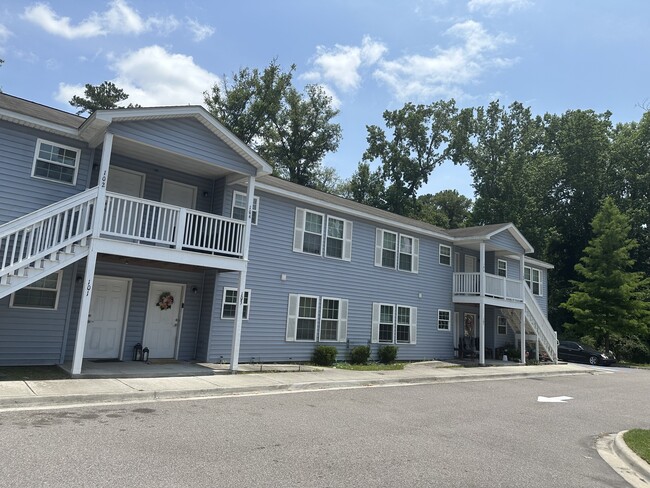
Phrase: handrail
(495, 286)
(36, 215)
(540, 323)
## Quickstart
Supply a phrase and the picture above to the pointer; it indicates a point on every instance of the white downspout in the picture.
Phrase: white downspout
(91, 260)
(236, 331)
(481, 351)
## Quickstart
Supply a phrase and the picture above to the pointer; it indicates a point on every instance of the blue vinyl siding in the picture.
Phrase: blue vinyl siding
(32, 336)
(20, 193)
(205, 324)
(185, 136)
(359, 281)
(142, 276)
(506, 241)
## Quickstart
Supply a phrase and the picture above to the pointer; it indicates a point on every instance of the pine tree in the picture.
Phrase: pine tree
(610, 300)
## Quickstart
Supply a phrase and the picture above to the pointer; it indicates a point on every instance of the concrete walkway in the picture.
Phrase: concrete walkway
(213, 380)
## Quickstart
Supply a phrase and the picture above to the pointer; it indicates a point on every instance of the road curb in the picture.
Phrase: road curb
(55, 401)
(630, 457)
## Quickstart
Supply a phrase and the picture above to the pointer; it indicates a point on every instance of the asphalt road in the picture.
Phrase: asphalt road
(487, 434)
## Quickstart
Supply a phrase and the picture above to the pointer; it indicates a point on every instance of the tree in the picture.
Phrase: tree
(293, 131)
(418, 144)
(301, 134)
(249, 103)
(448, 209)
(98, 97)
(609, 300)
(365, 186)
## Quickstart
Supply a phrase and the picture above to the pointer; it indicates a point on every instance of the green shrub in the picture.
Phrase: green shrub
(631, 349)
(360, 354)
(324, 355)
(387, 354)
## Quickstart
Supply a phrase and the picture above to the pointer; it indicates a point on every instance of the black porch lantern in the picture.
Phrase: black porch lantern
(137, 352)
(145, 354)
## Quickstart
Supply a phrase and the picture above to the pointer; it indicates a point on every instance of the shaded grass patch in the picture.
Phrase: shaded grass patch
(639, 441)
(31, 373)
(370, 366)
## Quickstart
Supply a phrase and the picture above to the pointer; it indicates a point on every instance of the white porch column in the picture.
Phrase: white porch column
(91, 260)
(236, 331)
(481, 340)
(523, 312)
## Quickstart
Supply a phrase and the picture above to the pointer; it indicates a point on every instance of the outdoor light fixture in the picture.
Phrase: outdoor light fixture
(145, 354)
(195, 290)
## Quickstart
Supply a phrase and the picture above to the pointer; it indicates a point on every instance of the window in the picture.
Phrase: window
(397, 251)
(502, 268)
(239, 203)
(444, 317)
(532, 278)
(304, 323)
(334, 243)
(445, 255)
(502, 325)
(43, 293)
(393, 324)
(308, 235)
(56, 162)
(229, 303)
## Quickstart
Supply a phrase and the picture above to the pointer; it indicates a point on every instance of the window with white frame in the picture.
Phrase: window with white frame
(393, 324)
(444, 256)
(312, 317)
(322, 235)
(56, 162)
(444, 319)
(229, 303)
(502, 325)
(532, 276)
(502, 268)
(43, 293)
(239, 205)
(396, 251)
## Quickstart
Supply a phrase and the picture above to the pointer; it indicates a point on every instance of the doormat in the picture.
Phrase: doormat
(104, 360)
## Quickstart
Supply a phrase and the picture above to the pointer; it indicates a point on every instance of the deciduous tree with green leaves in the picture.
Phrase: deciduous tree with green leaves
(448, 209)
(609, 299)
(98, 97)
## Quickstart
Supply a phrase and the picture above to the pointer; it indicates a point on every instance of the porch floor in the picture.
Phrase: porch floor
(168, 368)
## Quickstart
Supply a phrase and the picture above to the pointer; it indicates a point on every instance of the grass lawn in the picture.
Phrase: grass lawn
(370, 366)
(639, 441)
(22, 373)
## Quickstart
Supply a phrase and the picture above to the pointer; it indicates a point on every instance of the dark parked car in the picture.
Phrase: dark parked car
(581, 353)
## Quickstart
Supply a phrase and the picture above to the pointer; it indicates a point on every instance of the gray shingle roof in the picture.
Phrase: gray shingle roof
(38, 111)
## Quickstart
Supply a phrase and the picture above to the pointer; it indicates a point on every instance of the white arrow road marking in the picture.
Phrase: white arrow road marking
(559, 399)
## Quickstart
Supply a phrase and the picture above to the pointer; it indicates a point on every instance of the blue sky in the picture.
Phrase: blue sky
(552, 55)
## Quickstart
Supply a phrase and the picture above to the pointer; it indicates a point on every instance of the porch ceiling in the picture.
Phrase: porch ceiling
(167, 159)
(476, 246)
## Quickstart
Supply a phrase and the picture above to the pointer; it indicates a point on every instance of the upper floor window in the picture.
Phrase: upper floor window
(56, 162)
(43, 293)
(323, 235)
(502, 268)
(312, 318)
(239, 204)
(397, 251)
(532, 276)
(444, 256)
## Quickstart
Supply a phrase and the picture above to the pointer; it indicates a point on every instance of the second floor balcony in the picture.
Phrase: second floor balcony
(467, 288)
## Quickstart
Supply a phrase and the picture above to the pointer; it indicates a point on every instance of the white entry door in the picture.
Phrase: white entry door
(178, 194)
(163, 323)
(470, 264)
(125, 181)
(106, 318)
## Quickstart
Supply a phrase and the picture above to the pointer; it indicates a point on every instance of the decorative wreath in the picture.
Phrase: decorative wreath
(165, 301)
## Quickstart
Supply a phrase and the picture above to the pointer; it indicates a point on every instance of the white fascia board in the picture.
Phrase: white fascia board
(195, 111)
(34, 122)
(344, 210)
(538, 263)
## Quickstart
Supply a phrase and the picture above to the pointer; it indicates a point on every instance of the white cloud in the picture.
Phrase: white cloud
(153, 77)
(5, 33)
(418, 77)
(493, 7)
(120, 18)
(199, 31)
(340, 65)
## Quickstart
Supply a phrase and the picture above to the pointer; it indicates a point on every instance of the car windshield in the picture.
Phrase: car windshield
(589, 349)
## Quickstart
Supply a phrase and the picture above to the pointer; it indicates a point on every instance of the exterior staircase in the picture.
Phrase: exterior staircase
(536, 324)
(45, 241)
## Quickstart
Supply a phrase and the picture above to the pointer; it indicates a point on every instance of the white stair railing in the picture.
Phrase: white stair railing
(49, 230)
(540, 324)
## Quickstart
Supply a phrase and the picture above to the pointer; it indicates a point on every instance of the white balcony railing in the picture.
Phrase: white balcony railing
(158, 223)
(469, 284)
